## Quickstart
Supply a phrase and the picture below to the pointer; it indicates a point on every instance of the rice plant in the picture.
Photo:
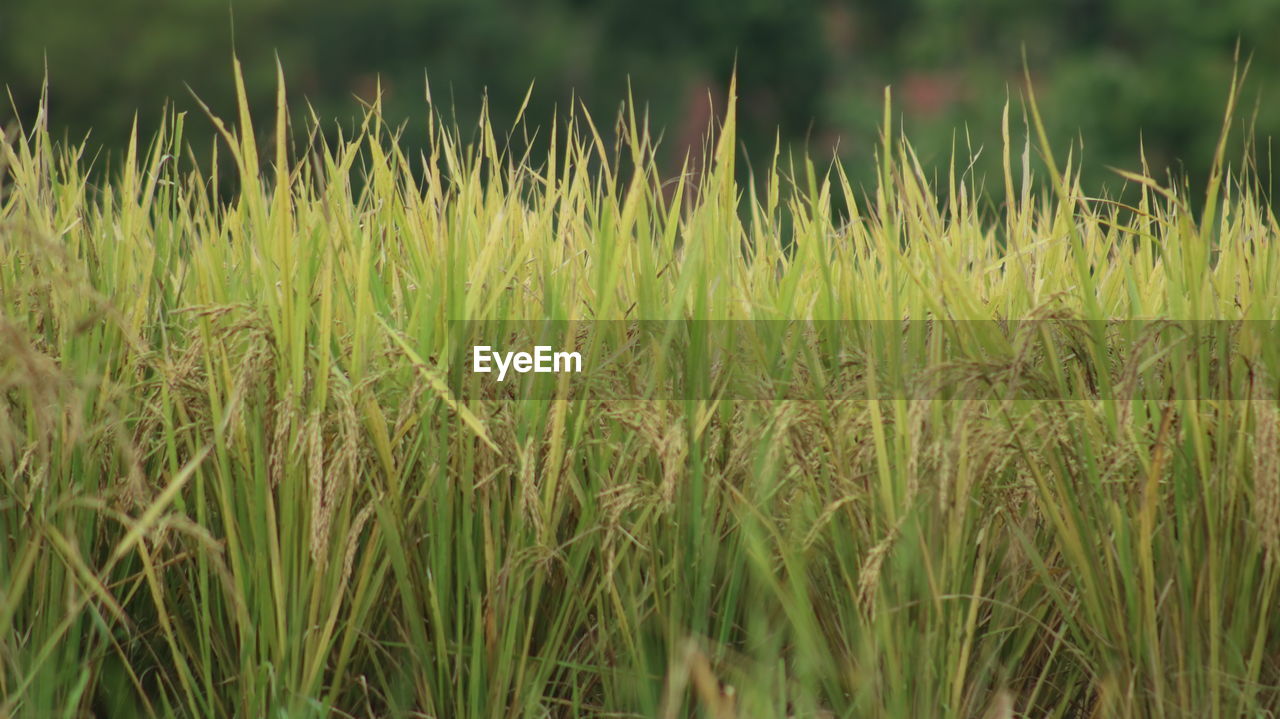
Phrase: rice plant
(993, 474)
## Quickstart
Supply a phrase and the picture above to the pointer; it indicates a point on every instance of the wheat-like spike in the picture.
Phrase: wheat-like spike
(321, 513)
(1266, 476)
(869, 574)
(353, 542)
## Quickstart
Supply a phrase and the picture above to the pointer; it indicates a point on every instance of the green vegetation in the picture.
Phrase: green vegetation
(235, 481)
(1118, 73)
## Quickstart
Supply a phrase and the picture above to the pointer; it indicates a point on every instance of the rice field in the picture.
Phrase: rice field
(994, 474)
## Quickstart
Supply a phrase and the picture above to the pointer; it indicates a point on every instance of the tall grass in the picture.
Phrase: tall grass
(237, 480)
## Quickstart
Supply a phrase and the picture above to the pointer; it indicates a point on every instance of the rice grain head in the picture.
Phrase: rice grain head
(1266, 462)
(321, 512)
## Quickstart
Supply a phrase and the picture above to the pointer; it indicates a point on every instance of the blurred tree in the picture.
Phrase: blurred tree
(1109, 71)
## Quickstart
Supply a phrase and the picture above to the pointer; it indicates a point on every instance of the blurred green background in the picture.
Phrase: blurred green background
(1111, 73)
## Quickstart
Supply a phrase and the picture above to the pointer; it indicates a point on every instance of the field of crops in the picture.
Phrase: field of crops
(240, 476)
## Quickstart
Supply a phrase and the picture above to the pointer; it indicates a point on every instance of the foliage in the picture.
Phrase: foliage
(1117, 73)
